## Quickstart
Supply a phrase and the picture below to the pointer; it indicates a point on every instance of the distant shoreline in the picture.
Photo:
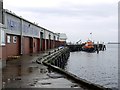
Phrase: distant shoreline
(113, 43)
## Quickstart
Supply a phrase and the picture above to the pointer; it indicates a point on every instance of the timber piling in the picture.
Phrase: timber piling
(57, 60)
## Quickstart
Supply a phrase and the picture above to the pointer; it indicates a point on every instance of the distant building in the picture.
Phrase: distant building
(62, 38)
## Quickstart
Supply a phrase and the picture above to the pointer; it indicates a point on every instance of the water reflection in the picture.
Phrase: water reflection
(99, 68)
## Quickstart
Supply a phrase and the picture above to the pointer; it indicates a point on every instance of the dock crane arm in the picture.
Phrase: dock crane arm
(78, 41)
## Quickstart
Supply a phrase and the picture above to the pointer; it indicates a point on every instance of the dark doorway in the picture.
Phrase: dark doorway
(49, 41)
(38, 45)
(31, 45)
(41, 41)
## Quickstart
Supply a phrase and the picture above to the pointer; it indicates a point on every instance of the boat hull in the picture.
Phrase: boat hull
(88, 49)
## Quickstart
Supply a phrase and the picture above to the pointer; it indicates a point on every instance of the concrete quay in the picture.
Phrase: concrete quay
(57, 61)
(24, 72)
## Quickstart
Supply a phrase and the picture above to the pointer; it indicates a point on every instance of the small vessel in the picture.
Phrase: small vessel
(88, 46)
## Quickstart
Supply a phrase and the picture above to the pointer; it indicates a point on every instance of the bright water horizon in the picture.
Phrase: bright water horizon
(99, 68)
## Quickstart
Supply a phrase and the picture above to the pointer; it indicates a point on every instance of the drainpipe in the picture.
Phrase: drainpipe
(45, 39)
(21, 46)
(1, 11)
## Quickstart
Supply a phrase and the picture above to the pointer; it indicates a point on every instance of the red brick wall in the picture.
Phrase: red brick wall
(38, 44)
(52, 44)
(4, 55)
(35, 45)
(47, 44)
(0, 52)
(62, 43)
(13, 48)
(43, 44)
(57, 43)
(26, 45)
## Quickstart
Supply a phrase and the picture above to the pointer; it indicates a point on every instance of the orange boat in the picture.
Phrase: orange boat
(89, 46)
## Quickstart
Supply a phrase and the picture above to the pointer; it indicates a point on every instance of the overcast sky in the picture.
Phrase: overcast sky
(76, 18)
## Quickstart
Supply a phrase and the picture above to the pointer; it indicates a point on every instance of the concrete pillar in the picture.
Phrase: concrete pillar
(41, 41)
(45, 40)
(45, 45)
(1, 11)
(21, 37)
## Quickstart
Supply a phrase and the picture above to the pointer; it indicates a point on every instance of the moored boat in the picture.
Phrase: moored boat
(88, 46)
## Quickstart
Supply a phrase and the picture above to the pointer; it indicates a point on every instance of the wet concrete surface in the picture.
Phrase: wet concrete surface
(24, 72)
(0, 78)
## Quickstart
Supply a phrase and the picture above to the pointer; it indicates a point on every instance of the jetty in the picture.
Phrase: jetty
(78, 47)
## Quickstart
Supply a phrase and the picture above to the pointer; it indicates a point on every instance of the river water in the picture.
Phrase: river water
(99, 68)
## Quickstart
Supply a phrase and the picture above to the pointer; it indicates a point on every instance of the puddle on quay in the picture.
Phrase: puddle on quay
(43, 70)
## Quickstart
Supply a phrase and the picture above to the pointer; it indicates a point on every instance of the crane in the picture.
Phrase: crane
(78, 41)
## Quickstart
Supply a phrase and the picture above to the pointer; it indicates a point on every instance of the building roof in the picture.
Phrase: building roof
(20, 17)
(63, 36)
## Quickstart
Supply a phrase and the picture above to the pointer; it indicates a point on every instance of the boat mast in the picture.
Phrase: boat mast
(91, 36)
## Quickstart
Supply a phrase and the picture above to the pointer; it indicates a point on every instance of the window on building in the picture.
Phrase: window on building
(8, 39)
(2, 37)
(14, 39)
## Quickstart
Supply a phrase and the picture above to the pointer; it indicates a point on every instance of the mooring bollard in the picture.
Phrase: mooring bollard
(49, 53)
(97, 49)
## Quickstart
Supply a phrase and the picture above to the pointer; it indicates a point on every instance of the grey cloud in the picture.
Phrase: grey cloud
(100, 10)
(77, 19)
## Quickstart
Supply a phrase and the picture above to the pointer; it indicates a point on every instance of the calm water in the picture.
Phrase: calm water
(99, 68)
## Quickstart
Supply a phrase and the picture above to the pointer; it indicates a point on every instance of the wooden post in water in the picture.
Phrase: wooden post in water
(97, 48)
